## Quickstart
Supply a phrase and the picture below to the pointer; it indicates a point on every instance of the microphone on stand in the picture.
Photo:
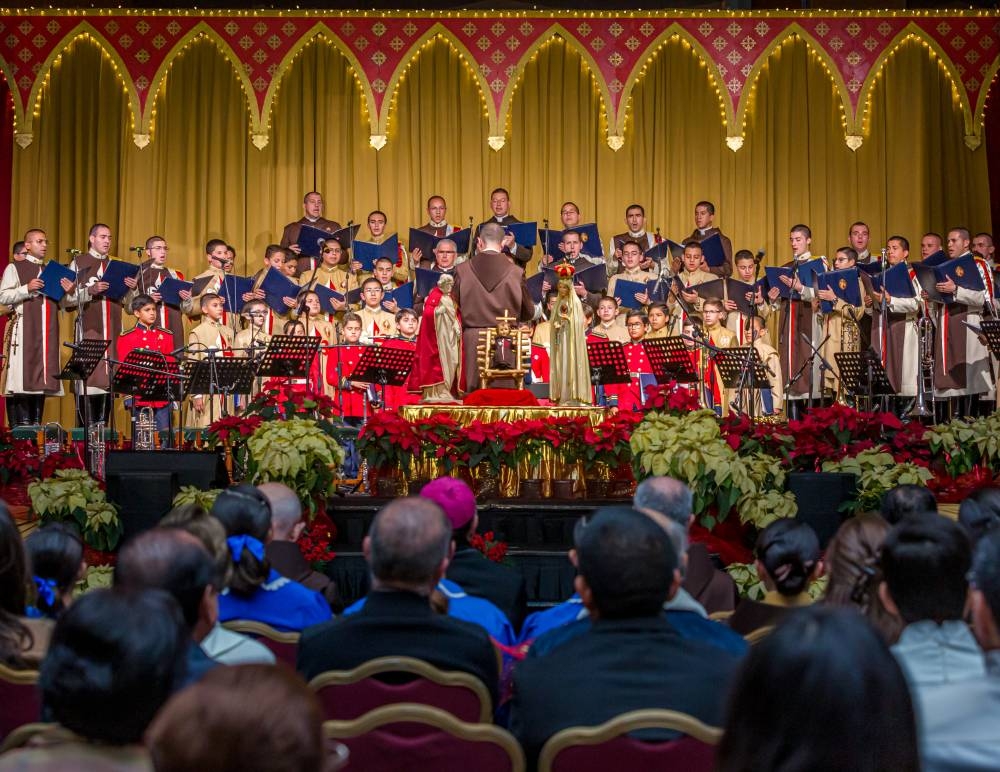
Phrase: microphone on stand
(73, 251)
(759, 256)
(137, 250)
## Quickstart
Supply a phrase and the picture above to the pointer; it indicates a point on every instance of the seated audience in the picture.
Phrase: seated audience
(175, 561)
(631, 657)
(787, 562)
(906, 501)
(469, 568)
(256, 591)
(715, 590)
(23, 641)
(224, 646)
(407, 548)
(979, 513)
(205, 727)
(854, 574)
(820, 694)
(55, 552)
(925, 561)
(115, 659)
(958, 722)
(283, 551)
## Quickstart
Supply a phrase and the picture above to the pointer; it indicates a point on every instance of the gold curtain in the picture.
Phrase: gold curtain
(201, 178)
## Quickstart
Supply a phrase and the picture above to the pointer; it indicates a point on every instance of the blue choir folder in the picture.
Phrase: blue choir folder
(403, 295)
(170, 289)
(845, 285)
(367, 252)
(712, 249)
(115, 274)
(232, 290)
(51, 274)
(276, 287)
(524, 233)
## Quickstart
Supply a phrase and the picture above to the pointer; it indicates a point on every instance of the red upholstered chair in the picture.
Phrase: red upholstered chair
(349, 694)
(20, 700)
(285, 646)
(419, 738)
(609, 746)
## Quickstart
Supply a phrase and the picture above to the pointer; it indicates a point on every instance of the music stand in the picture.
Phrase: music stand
(383, 367)
(669, 360)
(991, 331)
(149, 376)
(87, 354)
(219, 375)
(862, 374)
(288, 356)
(608, 365)
(741, 369)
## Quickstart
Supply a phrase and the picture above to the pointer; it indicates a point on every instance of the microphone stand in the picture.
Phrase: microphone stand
(77, 339)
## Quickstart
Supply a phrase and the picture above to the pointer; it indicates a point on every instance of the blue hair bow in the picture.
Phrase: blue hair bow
(46, 589)
(238, 543)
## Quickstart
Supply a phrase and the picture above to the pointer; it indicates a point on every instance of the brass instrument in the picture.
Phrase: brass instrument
(925, 366)
(144, 430)
(98, 451)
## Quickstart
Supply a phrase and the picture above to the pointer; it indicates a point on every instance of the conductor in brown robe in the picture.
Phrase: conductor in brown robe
(487, 286)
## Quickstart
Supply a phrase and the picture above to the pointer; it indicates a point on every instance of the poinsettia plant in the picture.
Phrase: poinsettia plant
(73, 496)
(388, 441)
(490, 546)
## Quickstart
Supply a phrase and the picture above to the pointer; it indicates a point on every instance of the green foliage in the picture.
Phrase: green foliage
(876, 472)
(297, 452)
(95, 578)
(964, 444)
(189, 494)
(73, 496)
(749, 584)
(690, 448)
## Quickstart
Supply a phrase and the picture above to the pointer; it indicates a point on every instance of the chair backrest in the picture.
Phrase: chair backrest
(609, 746)
(25, 733)
(720, 616)
(284, 645)
(20, 700)
(349, 694)
(419, 738)
(758, 635)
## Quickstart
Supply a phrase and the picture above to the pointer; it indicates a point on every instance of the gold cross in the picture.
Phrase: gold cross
(506, 317)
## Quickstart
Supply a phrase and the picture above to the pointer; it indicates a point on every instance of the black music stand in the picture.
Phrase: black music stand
(150, 376)
(381, 366)
(862, 374)
(288, 356)
(220, 375)
(741, 369)
(991, 331)
(607, 365)
(87, 354)
(669, 360)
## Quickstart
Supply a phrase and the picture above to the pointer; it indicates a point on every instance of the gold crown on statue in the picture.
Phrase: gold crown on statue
(565, 271)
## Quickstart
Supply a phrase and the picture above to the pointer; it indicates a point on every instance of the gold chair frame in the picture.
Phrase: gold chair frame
(414, 666)
(756, 636)
(25, 733)
(430, 716)
(251, 627)
(649, 718)
(522, 355)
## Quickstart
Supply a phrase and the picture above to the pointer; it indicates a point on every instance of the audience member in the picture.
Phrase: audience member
(820, 694)
(907, 501)
(205, 727)
(958, 722)
(685, 614)
(631, 657)
(114, 660)
(283, 551)
(925, 561)
(787, 561)
(469, 568)
(256, 591)
(713, 589)
(175, 561)
(407, 548)
(979, 513)
(23, 641)
(55, 552)
(224, 646)
(854, 573)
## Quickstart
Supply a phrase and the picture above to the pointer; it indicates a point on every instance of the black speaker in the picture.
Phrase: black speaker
(819, 496)
(143, 483)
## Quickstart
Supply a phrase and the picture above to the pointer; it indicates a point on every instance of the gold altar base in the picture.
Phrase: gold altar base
(549, 467)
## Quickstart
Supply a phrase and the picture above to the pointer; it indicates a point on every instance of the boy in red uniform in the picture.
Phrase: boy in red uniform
(640, 372)
(147, 335)
(340, 364)
(406, 325)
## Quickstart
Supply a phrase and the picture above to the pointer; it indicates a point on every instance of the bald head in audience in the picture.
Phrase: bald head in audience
(409, 545)
(286, 511)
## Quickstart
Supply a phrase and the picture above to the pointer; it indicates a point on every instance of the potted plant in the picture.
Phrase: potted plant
(388, 443)
(73, 496)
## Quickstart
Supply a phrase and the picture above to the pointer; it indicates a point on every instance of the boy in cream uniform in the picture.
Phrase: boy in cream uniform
(210, 335)
(631, 259)
(691, 274)
(375, 320)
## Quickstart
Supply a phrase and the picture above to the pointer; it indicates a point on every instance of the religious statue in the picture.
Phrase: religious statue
(569, 379)
(504, 354)
(438, 361)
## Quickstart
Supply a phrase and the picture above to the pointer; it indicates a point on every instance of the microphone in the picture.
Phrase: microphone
(137, 250)
(759, 256)
(73, 252)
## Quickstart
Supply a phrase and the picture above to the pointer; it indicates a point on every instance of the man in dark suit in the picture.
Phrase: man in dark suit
(500, 204)
(715, 590)
(470, 569)
(408, 550)
(631, 658)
